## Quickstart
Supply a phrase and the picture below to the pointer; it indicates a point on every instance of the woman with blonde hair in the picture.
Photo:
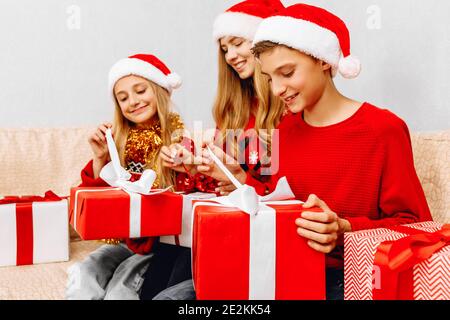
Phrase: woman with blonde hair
(141, 87)
(244, 110)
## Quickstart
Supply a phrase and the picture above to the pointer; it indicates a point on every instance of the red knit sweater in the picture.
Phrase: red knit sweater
(362, 168)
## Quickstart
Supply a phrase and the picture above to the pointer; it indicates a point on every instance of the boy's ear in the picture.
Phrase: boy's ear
(325, 66)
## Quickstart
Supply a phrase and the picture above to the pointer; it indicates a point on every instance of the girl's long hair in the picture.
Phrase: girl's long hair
(234, 102)
(270, 108)
(234, 99)
(122, 126)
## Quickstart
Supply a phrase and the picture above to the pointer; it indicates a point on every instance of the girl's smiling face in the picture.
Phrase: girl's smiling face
(238, 55)
(136, 99)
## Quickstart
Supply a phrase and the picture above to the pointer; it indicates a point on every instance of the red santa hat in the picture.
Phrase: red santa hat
(147, 66)
(242, 20)
(314, 31)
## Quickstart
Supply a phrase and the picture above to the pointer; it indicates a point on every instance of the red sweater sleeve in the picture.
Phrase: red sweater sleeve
(87, 177)
(402, 200)
(140, 246)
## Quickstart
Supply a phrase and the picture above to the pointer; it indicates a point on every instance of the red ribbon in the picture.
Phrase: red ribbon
(24, 223)
(395, 261)
(49, 196)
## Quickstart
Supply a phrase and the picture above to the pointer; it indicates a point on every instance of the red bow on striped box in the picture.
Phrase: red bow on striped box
(33, 230)
(398, 263)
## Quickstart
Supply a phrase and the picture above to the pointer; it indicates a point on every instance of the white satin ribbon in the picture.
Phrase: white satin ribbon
(186, 232)
(135, 214)
(116, 176)
(245, 197)
(262, 231)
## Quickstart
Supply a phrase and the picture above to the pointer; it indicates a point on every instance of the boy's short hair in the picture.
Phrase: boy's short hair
(264, 46)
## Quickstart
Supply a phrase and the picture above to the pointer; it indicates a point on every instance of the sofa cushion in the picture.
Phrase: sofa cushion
(42, 281)
(432, 161)
(37, 160)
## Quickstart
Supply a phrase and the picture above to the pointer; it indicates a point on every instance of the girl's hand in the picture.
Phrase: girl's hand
(323, 229)
(225, 188)
(177, 158)
(97, 141)
(209, 168)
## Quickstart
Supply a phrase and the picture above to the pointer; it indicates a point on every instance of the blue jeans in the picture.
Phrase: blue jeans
(335, 284)
(185, 290)
(170, 266)
(182, 291)
(112, 272)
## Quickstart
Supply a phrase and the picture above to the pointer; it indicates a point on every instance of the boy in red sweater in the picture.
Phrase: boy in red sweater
(351, 159)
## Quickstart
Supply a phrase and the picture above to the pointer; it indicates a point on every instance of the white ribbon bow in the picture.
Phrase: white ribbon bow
(116, 176)
(245, 197)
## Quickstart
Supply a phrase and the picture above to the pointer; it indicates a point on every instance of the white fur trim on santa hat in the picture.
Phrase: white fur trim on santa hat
(137, 67)
(235, 24)
(302, 35)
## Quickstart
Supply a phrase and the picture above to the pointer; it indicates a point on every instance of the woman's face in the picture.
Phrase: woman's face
(238, 55)
(136, 99)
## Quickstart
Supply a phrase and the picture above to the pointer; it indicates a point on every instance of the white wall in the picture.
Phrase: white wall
(53, 73)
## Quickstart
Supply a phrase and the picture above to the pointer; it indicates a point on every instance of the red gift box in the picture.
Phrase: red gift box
(33, 230)
(99, 213)
(185, 238)
(232, 252)
(398, 263)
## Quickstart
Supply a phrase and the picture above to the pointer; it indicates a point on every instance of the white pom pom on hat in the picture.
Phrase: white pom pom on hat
(174, 80)
(147, 66)
(314, 31)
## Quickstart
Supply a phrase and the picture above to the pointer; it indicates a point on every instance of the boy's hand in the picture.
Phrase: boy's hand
(323, 229)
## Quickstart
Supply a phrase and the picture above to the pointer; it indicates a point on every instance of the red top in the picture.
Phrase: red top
(362, 168)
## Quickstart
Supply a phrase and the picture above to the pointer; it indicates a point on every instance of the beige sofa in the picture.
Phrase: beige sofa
(33, 161)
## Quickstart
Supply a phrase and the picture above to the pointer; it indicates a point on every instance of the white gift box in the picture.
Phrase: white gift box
(34, 232)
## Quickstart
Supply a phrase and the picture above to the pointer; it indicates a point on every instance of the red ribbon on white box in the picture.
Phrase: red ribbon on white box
(34, 232)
